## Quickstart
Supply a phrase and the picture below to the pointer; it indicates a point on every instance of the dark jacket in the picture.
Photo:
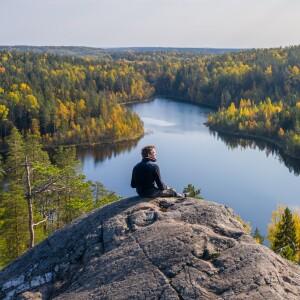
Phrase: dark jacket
(144, 176)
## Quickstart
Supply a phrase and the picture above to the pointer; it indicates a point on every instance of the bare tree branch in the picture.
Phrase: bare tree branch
(47, 185)
(40, 222)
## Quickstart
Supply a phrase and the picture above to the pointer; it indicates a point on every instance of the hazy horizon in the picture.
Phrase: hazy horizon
(156, 23)
(125, 47)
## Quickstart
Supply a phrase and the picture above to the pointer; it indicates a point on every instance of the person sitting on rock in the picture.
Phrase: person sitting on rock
(146, 177)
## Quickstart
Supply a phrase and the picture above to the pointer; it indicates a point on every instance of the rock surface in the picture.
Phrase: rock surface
(164, 248)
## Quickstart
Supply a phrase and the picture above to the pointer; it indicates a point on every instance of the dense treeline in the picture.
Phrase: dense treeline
(224, 81)
(40, 194)
(219, 80)
(68, 100)
(278, 121)
(112, 53)
(76, 99)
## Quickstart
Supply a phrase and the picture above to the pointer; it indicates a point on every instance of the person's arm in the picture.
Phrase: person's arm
(158, 180)
(133, 182)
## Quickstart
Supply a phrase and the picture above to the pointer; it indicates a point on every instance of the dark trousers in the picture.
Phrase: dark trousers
(155, 192)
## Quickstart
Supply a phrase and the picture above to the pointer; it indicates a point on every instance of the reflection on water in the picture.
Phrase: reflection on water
(106, 151)
(250, 176)
(157, 122)
(269, 149)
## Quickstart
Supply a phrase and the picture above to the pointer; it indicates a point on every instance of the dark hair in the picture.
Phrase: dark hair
(147, 150)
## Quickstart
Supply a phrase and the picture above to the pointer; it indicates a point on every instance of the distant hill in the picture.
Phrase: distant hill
(104, 52)
(59, 50)
(174, 49)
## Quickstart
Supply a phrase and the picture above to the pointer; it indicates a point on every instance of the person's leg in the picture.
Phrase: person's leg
(170, 192)
(155, 192)
(151, 193)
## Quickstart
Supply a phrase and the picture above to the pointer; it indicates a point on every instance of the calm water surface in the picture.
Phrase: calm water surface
(247, 176)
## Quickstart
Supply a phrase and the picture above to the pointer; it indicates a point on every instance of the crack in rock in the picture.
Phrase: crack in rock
(168, 280)
(159, 248)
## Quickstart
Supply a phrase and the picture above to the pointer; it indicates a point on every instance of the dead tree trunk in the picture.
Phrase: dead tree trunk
(29, 204)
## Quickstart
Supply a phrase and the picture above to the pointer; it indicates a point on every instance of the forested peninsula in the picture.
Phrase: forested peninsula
(68, 100)
(73, 100)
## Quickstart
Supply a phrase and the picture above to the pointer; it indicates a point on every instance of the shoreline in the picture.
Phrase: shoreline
(183, 100)
(93, 144)
(135, 138)
(172, 98)
(137, 101)
(46, 147)
(254, 137)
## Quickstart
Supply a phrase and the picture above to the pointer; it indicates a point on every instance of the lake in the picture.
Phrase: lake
(251, 177)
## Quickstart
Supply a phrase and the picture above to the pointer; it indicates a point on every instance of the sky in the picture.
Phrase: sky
(163, 23)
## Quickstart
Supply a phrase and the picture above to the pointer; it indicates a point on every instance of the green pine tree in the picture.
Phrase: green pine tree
(74, 195)
(285, 242)
(16, 155)
(40, 197)
(258, 237)
(14, 234)
(34, 149)
(102, 196)
(192, 191)
(66, 157)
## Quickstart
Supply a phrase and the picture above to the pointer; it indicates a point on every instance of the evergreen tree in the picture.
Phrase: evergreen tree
(192, 191)
(72, 193)
(102, 196)
(258, 237)
(38, 196)
(42, 183)
(64, 157)
(14, 234)
(34, 149)
(285, 242)
(16, 155)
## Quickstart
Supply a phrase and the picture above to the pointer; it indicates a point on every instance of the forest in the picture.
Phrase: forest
(73, 100)
(68, 100)
(41, 193)
(275, 121)
(53, 100)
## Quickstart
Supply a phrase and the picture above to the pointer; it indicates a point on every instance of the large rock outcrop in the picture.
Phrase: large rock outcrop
(152, 249)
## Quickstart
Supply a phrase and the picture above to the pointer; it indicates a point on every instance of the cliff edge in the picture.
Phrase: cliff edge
(164, 248)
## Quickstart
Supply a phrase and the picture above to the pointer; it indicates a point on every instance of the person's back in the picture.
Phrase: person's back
(146, 176)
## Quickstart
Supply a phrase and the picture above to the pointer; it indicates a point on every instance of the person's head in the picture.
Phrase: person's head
(149, 152)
